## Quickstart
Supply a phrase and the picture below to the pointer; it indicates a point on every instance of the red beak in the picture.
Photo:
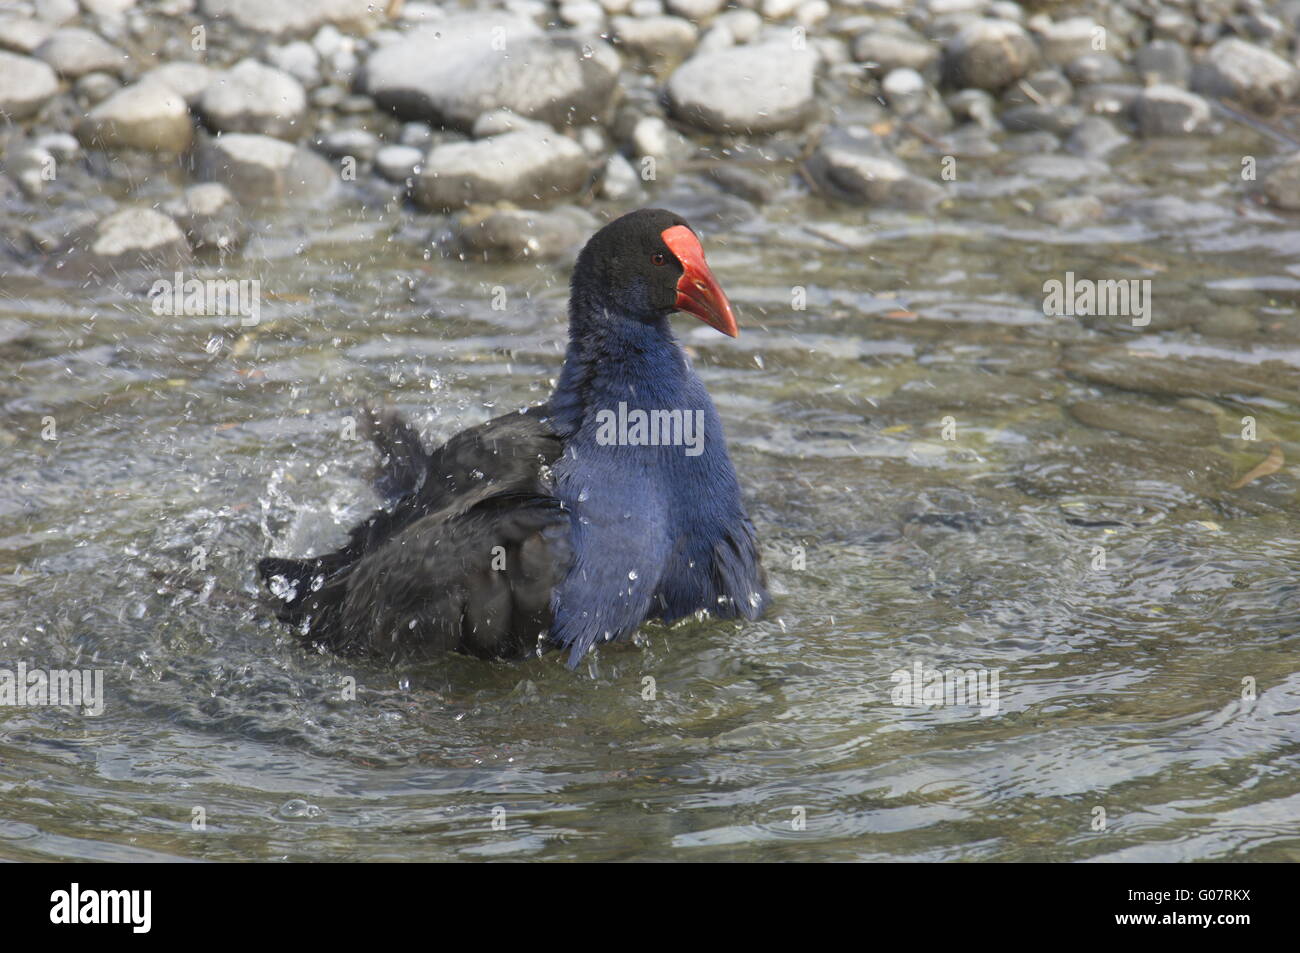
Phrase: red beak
(698, 292)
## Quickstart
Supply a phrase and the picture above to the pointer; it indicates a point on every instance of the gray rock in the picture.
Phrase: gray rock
(1162, 61)
(1066, 40)
(655, 38)
(696, 9)
(1281, 184)
(747, 89)
(1043, 88)
(56, 12)
(989, 54)
(94, 88)
(1095, 138)
(974, 105)
(148, 116)
(523, 167)
(510, 234)
(357, 143)
(294, 17)
(497, 121)
(1169, 24)
(1095, 68)
(619, 182)
(860, 172)
(452, 75)
(189, 80)
(747, 184)
(887, 51)
(1249, 74)
(299, 59)
(1058, 120)
(1164, 110)
(254, 97)
(1108, 99)
(210, 218)
(131, 237)
(74, 52)
(26, 85)
(398, 163)
(1071, 211)
(63, 146)
(743, 25)
(262, 168)
(582, 14)
(23, 34)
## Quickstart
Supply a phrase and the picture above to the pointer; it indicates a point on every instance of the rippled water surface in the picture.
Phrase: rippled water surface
(1120, 689)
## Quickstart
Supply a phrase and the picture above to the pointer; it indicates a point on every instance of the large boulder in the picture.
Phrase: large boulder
(295, 17)
(475, 63)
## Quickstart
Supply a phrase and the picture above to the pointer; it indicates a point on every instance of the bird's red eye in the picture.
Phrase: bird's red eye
(658, 259)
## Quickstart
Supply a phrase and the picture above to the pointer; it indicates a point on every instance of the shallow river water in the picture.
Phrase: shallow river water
(1148, 705)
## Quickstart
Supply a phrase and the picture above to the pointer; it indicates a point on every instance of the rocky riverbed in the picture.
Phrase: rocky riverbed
(1016, 390)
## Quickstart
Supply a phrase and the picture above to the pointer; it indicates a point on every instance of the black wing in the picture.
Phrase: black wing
(464, 557)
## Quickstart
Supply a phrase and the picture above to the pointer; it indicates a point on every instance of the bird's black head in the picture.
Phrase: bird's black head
(646, 265)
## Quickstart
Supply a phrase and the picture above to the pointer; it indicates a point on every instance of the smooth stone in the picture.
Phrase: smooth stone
(94, 88)
(210, 217)
(497, 121)
(746, 89)
(147, 116)
(989, 54)
(188, 79)
(695, 9)
(299, 59)
(1054, 167)
(1071, 211)
(74, 52)
(295, 17)
(478, 62)
(1058, 120)
(1095, 68)
(133, 237)
(512, 234)
(887, 51)
(1162, 61)
(655, 38)
(254, 97)
(860, 173)
(747, 184)
(23, 34)
(1043, 88)
(1095, 137)
(619, 182)
(1182, 377)
(1108, 99)
(1281, 184)
(263, 168)
(1257, 78)
(26, 85)
(344, 143)
(1164, 110)
(398, 163)
(525, 167)
(743, 25)
(1066, 40)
